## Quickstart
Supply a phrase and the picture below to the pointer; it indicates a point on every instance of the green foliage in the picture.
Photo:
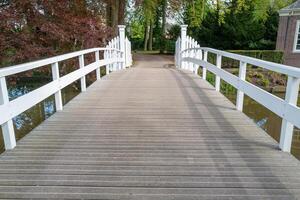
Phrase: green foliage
(194, 12)
(137, 30)
(174, 32)
(239, 24)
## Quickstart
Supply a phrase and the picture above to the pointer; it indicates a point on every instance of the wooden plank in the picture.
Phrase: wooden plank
(150, 132)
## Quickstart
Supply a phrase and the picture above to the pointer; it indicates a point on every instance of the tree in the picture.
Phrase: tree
(115, 13)
(194, 12)
(235, 24)
(33, 29)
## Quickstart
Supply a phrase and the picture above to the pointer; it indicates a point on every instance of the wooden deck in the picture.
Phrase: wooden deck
(147, 133)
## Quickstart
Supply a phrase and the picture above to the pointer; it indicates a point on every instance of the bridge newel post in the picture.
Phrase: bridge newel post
(8, 127)
(107, 57)
(240, 94)
(287, 128)
(57, 95)
(82, 79)
(183, 43)
(204, 72)
(122, 45)
(97, 58)
(198, 56)
(218, 79)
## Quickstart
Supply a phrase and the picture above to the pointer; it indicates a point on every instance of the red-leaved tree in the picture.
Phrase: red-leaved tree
(33, 29)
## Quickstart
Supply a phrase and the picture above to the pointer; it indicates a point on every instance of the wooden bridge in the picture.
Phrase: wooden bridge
(148, 132)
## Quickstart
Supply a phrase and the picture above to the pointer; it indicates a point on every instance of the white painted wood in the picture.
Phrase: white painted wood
(287, 127)
(108, 66)
(122, 45)
(240, 94)
(287, 109)
(195, 56)
(58, 97)
(218, 79)
(190, 45)
(296, 36)
(117, 46)
(114, 54)
(82, 79)
(23, 103)
(183, 42)
(204, 72)
(7, 126)
(97, 58)
(73, 76)
(126, 53)
(110, 55)
(280, 68)
(10, 109)
(228, 77)
(270, 101)
(292, 114)
(7, 71)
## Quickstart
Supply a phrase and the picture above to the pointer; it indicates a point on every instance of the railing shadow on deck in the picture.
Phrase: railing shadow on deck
(190, 56)
(248, 144)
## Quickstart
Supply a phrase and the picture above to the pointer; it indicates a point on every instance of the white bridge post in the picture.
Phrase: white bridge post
(8, 127)
(218, 79)
(240, 94)
(204, 72)
(287, 128)
(183, 44)
(82, 79)
(122, 45)
(97, 58)
(55, 76)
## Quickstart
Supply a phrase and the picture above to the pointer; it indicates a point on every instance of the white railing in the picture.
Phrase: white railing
(190, 56)
(114, 55)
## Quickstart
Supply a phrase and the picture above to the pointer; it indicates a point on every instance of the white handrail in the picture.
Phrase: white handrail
(7, 71)
(287, 109)
(280, 68)
(114, 55)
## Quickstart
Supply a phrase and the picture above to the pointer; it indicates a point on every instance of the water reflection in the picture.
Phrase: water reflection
(34, 116)
(267, 120)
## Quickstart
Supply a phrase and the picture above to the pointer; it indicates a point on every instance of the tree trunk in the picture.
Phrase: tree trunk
(112, 13)
(146, 36)
(115, 14)
(163, 28)
(151, 36)
(121, 15)
(108, 14)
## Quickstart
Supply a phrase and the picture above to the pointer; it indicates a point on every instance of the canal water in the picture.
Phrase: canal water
(28, 120)
(267, 120)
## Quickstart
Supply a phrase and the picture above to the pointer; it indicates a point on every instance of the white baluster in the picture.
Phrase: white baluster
(287, 128)
(240, 94)
(82, 79)
(122, 45)
(183, 44)
(8, 127)
(218, 79)
(58, 97)
(97, 58)
(204, 71)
